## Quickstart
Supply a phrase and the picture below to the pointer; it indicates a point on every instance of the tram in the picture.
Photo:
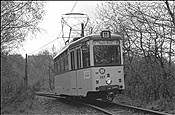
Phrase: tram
(90, 67)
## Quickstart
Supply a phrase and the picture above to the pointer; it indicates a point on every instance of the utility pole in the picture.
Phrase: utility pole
(25, 79)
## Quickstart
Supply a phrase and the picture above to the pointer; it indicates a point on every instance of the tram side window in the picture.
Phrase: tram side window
(78, 52)
(58, 66)
(72, 60)
(62, 65)
(86, 54)
(66, 63)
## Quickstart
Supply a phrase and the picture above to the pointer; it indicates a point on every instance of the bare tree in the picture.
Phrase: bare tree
(17, 20)
(171, 11)
(148, 37)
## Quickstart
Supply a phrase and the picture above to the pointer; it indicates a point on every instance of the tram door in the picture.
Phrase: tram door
(73, 74)
(79, 72)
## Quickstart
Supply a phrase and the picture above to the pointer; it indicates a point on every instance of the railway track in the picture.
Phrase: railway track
(114, 108)
(108, 108)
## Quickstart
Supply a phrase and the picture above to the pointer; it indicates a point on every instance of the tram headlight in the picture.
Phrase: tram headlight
(108, 81)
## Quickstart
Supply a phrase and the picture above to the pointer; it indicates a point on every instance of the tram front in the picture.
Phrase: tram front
(108, 66)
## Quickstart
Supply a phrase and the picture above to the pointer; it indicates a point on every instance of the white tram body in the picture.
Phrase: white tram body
(90, 66)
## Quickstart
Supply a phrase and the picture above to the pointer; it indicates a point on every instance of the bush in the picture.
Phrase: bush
(23, 98)
(163, 105)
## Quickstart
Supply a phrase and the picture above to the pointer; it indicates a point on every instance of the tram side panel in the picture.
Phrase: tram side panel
(73, 83)
(84, 81)
(62, 84)
(57, 89)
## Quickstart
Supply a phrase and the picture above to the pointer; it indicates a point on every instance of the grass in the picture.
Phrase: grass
(22, 100)
(162, 105)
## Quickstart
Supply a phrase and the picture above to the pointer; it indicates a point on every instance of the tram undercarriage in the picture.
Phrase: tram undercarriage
(107, 95)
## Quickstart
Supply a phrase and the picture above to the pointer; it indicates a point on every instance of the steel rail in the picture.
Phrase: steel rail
(143, 109)
(95, 107)
(52, 95)
(146, 111)
(86, 103)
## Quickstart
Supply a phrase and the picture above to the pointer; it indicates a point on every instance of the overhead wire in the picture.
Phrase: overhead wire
(74, 6)
(55, 38)
(44, 45)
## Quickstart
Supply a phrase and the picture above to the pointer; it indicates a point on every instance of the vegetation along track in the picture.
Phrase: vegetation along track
(108, 107)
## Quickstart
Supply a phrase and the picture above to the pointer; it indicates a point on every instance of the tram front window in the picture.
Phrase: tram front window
(106, 54)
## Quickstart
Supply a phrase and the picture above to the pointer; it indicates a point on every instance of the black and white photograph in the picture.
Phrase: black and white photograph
(88, 57)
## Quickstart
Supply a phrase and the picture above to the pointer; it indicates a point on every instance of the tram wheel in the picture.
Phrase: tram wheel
(108, 98)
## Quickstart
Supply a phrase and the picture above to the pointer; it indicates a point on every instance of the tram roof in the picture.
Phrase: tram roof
(87, 38)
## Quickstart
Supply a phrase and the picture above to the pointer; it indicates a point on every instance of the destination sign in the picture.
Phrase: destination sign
(106, 42)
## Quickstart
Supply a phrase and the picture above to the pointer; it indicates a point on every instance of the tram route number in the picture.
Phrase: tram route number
(102, 76)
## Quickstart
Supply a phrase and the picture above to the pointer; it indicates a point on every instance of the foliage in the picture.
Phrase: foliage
(23, 99)
(14, 92)
(17, 20)
(41, 70)
(148, 32)
(12, 78)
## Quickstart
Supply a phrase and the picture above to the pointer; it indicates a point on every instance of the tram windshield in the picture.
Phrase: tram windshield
(106, 54)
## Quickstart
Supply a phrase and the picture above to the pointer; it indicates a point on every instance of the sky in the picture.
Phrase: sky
(51, 24)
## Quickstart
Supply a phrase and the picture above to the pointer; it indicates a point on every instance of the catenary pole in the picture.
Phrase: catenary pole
(25, 79)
